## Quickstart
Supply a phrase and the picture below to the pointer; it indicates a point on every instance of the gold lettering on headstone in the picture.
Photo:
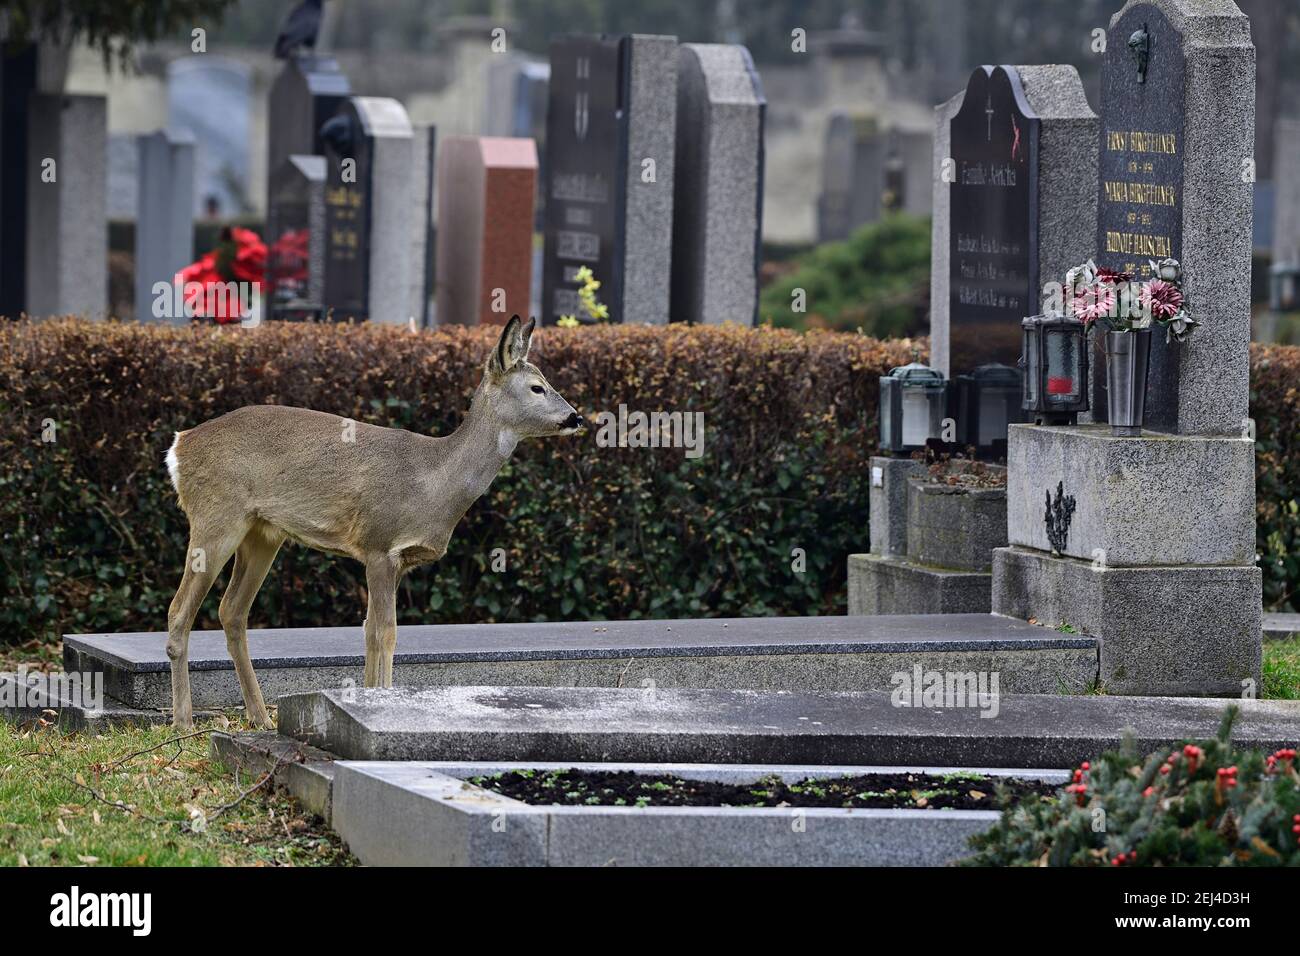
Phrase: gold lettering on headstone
(1149, 194)
(1138, 244)
(1139, 141)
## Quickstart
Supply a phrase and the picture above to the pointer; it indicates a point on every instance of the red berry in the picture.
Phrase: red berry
(1085, 766)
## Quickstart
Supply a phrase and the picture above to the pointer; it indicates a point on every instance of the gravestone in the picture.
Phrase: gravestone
(1015, 207)
(1148, 542)
(309, 90)
(67, 205)
(211, 96)
(368, 191)
(18, 80)
(610, 135)
(424, 150)
(718, 185)
(164, 222)
(295, 238)
(853, 169)
(1285, 295)
(1172, 186)
(487, 187)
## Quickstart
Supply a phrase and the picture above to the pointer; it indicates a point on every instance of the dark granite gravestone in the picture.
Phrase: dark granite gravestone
(612, 107)
(368, 211)
(1140, 178)
(993, 240)
(17, 83)
(307, 92)
(1176, 141)
(295, 236)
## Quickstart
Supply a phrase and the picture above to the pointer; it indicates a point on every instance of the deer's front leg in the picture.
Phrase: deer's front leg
(381, 621)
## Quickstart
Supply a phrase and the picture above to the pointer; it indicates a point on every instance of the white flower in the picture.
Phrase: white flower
(1080, 277)
(1167, 269)
(1179, 327)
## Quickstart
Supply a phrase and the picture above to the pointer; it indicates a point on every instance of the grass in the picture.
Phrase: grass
(1282, 669)
(114, 800)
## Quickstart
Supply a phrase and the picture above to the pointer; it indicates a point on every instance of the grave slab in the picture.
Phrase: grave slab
(1155, 500)
(425, 814)
(306, 772)
(658, 725)
(817, 653)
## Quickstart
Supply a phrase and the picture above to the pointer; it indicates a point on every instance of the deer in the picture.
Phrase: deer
(389, 498)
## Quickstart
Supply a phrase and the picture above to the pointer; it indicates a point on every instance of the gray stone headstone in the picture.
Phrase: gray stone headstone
(211, 97)
(424, 144)
(67, 205)
(1286, 212)
(718, 183)
(611, 122)
(853, 169)
(1176, 147)
(1014, 207)
(308, 91)
(368, 260)
(164, 226)
(295, 238)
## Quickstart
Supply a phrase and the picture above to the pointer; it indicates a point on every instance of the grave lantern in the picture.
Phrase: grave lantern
(913, 401)
(988, 400)
(1054, 368)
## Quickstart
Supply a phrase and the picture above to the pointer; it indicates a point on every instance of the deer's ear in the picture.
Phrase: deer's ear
(526, 337)
(504, 355)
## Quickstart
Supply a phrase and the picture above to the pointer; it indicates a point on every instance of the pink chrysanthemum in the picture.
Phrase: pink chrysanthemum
(1093, 302)
(1162, 298)
(1111, 277)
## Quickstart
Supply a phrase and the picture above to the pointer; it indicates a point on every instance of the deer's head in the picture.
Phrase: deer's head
(517, 394)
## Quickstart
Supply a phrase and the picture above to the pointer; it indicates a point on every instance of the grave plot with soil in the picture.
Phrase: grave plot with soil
(898, 791)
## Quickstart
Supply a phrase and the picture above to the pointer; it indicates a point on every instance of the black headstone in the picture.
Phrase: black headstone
(993, 242)
(307, 92)
(1140, 179)
(586, 149)
(347, 217)
(17, 83)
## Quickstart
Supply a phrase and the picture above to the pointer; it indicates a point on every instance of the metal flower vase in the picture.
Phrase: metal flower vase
(1127, 357)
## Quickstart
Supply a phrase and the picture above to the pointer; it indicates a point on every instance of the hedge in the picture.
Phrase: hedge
(93, 537)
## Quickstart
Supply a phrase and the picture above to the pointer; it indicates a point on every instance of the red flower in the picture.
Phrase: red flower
(1111, 277)
(1163, 298)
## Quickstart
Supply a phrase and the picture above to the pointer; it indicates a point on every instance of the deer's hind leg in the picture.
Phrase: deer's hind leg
(253, 560)
(209, 550)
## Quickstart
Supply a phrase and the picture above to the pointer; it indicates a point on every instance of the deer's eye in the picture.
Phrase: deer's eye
(539, 390)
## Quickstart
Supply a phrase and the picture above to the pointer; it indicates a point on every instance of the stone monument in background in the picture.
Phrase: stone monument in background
(718, 185)
(368, 211)
(610, 141)
(67, 205)
(486, 190)
(164, 221)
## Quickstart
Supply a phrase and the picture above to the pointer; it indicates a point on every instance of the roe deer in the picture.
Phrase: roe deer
(387, 497)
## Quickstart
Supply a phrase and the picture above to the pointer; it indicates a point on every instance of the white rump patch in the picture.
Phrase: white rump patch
(173, 465)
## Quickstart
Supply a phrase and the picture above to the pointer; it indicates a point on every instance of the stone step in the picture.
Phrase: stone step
(786, 653)
(738, 726)
(1278, 627)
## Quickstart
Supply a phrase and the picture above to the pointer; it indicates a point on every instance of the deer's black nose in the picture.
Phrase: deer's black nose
(574, 421)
